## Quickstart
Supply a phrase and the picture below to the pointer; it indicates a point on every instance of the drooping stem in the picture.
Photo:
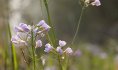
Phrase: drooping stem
(76, 32)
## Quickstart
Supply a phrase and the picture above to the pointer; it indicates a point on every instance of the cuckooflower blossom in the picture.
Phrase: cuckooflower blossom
(43, 24)
(22, 28)
(38, 43)
(48, 48)
(93, 3)
(24, 34)
(96, 3)
(68, 50)
(62, 43)
(38, 32)
(18, 42)
(59, 50)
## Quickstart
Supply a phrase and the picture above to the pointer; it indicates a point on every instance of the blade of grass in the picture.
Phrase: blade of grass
(5, 44)
(51, 35)
(13, 51)
(5, 38)
(6, 55)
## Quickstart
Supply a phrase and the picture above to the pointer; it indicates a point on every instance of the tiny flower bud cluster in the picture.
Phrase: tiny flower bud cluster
(59, 50)
(24, 34)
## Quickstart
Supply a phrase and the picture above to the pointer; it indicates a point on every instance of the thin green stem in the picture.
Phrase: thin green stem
(49, 39)
(76, 32)
(5, 38)
(33, 50)
(43, 17)
(52, 34)
(67, 63)
(59, 60)
(5, 43)
(13, 51)
(6, 55)
(41, 6)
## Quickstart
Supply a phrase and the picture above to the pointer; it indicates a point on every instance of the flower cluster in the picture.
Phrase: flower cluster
(24, 34)
(59, 50)
(92, 2)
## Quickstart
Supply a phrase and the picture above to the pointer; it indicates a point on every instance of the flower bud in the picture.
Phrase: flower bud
(93, 3)
(38, 43)
(22, 28)
(43, 24)
(59, 50)
(68, 50)
(62, 43)
(96, 3)
(48, 48)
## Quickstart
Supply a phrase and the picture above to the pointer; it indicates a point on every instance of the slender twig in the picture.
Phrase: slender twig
(80, 18)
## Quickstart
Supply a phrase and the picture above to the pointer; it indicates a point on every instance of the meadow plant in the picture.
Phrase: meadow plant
(30, 36)
(24, 37)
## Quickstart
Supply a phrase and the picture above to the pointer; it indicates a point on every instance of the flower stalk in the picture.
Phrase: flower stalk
(13, 51)
(76, 32)
(51, 34)
(33, 50)
(59, 60)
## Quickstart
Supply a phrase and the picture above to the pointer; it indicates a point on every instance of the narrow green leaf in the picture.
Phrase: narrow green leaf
(13, 51)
